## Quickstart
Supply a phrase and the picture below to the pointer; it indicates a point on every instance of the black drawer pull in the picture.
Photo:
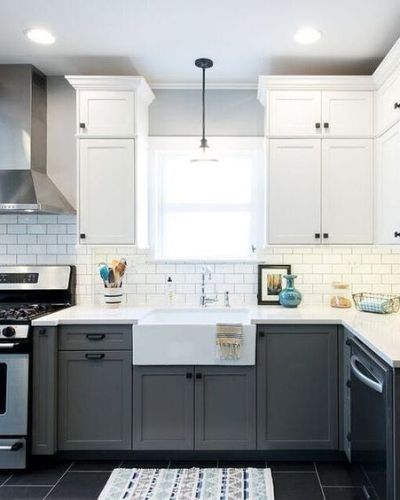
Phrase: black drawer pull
(189, 375)
(326, 125)
(261, 334)
(317, 125)
(317, 236)
(325, 236)
(199, 376)
(396, 105)
(397, 234)
(82, 125)
(94, 355)
(82, 236)
(95, 336)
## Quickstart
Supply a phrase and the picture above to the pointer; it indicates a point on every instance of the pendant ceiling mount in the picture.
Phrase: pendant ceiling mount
(204, 63)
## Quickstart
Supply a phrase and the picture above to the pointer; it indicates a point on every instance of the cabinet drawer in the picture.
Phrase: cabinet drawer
(95, 337)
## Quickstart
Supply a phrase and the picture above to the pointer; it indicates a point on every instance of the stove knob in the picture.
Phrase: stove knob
(9, 331)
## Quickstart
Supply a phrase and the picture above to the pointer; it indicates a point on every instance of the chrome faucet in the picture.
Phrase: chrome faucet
(204, 300)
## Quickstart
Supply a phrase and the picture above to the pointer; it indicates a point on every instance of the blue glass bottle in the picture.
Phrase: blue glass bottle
(290, 296)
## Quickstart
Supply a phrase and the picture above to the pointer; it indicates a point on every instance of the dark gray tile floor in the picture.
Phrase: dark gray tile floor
(85, 479)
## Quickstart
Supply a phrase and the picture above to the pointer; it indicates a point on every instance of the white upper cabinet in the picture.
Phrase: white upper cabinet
(294, 113)
(321, 114)
(112, 117)
(347, 114)
(388, 187)
(106, 113)
(347, 191)
(106, 191)
(388, 103)
(294, 194)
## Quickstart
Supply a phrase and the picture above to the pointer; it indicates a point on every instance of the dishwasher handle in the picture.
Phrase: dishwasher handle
(372, 384)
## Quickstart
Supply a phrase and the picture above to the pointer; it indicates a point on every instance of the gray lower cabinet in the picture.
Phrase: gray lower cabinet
(225, 408)
(186, 408)
(95, 400)
(44, 391)
(297, 384)
(163, 407)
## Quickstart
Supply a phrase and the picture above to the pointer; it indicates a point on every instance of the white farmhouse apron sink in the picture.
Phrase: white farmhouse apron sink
(187, 337)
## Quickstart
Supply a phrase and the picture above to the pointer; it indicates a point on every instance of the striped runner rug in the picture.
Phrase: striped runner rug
(189, 484)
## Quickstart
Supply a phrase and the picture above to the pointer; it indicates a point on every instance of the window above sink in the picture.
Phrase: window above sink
(206, 210)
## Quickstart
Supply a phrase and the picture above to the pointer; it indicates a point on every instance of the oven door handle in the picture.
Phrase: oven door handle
(372, 384)
(12, 447)
(9, 345)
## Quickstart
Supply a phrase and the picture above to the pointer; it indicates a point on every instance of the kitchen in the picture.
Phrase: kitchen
(224, 314)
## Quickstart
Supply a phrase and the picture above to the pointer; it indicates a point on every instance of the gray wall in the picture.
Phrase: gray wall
(173, 112)
(228, 113)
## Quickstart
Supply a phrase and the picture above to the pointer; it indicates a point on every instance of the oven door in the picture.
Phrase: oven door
(371, 422)
(14, 385)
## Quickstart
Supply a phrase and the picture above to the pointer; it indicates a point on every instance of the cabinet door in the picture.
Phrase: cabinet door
(294, 113)
(387, 101)
(225, 408)
(44, 391)
(294, 191)
(162, 408)
(106, 113)
(297, 378)
(388, 183)
(106, 191)
(348, 114)
(95, 400)
(347, 191)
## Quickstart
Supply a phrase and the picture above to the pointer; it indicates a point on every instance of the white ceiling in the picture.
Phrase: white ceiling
(161, 38)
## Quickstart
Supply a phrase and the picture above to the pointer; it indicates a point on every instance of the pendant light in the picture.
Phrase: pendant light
(204, 64)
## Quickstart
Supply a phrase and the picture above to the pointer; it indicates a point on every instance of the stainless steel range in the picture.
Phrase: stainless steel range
(26, 292)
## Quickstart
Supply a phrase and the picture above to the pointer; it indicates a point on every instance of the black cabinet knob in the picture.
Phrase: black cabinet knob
(199, 376)
(318, 125)
(397, 234)
(326, 125)
(261, 334)
(189, 375)
(396, 105)
(82, 236)
(317, 236)
(82, 125)
(325, 236)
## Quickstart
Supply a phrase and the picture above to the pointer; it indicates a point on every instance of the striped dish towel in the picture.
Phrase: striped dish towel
(229, 340)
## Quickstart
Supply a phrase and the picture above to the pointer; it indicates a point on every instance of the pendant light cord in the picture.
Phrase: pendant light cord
(204, 106)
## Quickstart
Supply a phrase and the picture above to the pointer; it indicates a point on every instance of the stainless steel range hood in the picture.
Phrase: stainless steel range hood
(24, 184)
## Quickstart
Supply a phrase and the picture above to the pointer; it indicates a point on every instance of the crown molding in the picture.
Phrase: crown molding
(388, 65)
(197, 86)
(331, 82)
(101, 82)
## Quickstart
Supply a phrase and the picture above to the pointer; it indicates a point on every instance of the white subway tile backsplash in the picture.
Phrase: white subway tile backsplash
(51, 239)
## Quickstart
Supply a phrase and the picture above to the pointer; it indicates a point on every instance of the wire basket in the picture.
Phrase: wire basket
(376, 302)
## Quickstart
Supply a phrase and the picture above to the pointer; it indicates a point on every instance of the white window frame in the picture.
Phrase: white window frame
(161, 145)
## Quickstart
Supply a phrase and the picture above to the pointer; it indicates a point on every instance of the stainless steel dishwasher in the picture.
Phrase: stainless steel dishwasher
(372, 421)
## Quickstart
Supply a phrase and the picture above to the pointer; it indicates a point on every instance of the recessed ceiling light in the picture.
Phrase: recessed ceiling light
(39, 35)
(307, 35)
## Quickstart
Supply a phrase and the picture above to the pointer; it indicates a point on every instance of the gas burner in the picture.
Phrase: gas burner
(24, 312)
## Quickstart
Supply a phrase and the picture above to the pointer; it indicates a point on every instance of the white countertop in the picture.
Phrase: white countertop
(381, 333)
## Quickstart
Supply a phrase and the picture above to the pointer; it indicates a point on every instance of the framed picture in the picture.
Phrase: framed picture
(270, 283)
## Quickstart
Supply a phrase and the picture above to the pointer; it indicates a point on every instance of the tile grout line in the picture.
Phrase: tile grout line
(57, 482)
(319, 481)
